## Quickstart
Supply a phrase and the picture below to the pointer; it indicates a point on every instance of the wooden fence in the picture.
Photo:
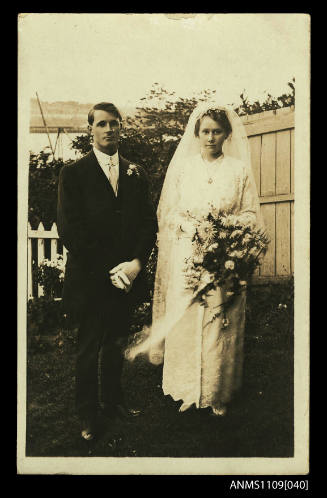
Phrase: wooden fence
(271, 137)
(41, 236)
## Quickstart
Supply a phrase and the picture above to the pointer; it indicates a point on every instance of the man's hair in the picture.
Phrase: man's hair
(103, 106)
(217, 115)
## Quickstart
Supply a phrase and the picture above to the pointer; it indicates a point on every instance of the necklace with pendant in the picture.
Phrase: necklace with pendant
(210, 177)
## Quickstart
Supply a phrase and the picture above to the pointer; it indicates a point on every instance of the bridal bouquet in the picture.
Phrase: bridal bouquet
(226, 251)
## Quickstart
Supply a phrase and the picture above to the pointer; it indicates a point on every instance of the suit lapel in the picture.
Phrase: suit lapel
(100, 176)
(124, 193)
(123, 186)
(103, 186)
(122, 180)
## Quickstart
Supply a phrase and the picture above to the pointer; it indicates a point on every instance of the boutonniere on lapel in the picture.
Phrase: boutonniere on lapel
(133, 170)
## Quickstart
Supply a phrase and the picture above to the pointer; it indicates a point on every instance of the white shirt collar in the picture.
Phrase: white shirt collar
(104, 159)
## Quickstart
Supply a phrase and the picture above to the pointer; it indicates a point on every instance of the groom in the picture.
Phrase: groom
(107, 222)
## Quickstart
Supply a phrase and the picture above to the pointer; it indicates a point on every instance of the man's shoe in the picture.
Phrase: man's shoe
(125, 413)
(89, 429)
(120, 411)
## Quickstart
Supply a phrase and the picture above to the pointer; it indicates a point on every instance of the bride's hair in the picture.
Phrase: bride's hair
(217, 115)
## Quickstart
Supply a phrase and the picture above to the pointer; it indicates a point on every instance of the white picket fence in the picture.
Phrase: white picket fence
(41, 235)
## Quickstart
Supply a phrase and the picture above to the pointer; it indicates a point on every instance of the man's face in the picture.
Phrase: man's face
(105, 131)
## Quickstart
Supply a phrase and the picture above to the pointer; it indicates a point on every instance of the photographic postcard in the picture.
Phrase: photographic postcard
(67, 63)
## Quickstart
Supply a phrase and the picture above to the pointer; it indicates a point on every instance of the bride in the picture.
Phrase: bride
(202, 357)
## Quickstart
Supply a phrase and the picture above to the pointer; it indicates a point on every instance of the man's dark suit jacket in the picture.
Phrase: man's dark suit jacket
(101, 231)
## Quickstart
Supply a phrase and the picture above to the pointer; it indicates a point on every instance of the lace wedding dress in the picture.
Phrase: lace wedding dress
(202, 360)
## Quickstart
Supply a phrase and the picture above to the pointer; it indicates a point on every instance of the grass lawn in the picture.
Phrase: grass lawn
(259, 422)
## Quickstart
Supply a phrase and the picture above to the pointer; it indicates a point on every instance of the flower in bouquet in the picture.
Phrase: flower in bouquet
(236, 233)
(237, 254)
(212, 247)
(228, 220)
(246, 239)
(206, 231)
(223, 234)
(193, 275)
(206, 277)
(198, 259)
(229, 265)
(254, 251)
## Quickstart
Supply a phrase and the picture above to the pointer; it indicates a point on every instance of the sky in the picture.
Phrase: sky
(93, 57)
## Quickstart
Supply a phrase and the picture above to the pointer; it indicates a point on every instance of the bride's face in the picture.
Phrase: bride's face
(211, 136)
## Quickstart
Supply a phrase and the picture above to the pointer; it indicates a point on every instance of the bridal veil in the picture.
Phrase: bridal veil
(236, 146)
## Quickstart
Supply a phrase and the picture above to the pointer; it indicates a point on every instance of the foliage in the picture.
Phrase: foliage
(43, 186)
(259, 423)
(50, 275)
(270, 309)
(269, 104)
(149, 138)
(48, 327)
(82, 143)
(150, 269)
(44, 318)
(141, 317)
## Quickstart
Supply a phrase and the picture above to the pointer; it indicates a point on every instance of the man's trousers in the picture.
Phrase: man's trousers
(102, 335)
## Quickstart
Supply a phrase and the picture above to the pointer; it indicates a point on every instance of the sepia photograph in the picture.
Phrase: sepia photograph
(163, 244)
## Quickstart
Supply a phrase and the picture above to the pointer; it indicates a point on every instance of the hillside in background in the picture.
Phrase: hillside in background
(69, 113)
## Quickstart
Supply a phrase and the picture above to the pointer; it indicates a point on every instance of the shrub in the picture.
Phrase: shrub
(149, 138)
(44, 316)
(43, 186)
(44, 319)
(141, 317)
(270, 311)
(48, 327)
(150, 269)
(50, 276)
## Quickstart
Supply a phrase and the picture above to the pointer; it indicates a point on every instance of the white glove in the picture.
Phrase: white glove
(127, 269)
(120, 280)
(130, 268)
